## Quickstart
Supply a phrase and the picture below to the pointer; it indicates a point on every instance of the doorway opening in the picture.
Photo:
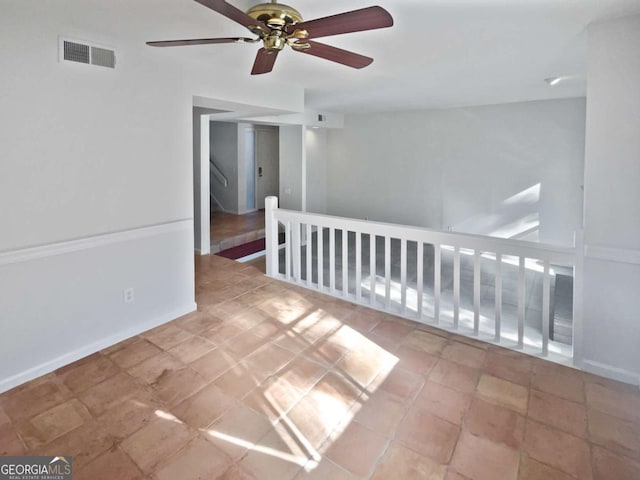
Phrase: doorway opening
(244, 169)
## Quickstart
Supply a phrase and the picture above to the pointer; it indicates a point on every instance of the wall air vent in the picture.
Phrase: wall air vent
(84, 52)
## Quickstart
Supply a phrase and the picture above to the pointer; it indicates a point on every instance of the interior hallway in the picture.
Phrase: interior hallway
(272, 382)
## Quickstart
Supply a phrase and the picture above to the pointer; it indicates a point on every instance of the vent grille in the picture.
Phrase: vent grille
(76, 52)
(83, 52)
(103, 57)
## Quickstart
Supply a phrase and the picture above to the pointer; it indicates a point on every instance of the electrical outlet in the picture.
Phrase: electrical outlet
(128, 295)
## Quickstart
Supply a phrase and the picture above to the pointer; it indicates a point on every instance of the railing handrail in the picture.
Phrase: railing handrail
(542, 251)
(218, 173)
(217, 202)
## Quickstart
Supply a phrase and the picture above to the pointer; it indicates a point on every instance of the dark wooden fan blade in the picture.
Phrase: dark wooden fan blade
(338, 55)
(233, 13)
(264, 61)
(369, 18)
(200, 41)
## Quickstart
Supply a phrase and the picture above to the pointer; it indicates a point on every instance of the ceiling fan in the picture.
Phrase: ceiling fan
(278, 25)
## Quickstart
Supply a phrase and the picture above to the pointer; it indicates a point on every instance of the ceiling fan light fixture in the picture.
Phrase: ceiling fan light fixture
(300, 45)
(299, 34)
(274, 42)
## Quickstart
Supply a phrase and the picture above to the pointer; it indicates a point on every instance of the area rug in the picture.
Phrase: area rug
(247, 249)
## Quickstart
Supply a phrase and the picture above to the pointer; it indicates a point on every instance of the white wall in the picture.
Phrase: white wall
(64, 301)
(292, 167)
(612, 201)
(85, 152)
(316, 152)
(494, 170)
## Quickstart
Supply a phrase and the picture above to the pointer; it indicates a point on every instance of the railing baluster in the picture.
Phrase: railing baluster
(546, 307)
(296, 251)
(521, 306)
(387, 272)
(271, 226)
(320, 247)
(437, 271)
(309, 251)
(456, 286)
(332, 260)
(498, 297)
(577, 298)
(372, 269)
(403, 275)
(345, 262)
(476, 292)
(287, 250)
(419, 279)
(358, 266)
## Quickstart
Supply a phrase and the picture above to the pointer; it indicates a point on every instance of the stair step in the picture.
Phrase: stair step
(236, 240)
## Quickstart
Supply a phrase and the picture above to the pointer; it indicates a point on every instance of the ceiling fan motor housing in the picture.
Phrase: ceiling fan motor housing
(275, 15)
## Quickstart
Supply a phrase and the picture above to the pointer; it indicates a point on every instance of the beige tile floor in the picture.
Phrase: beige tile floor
(271, 382)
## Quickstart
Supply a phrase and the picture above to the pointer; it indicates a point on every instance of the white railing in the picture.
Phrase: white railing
(400, 282)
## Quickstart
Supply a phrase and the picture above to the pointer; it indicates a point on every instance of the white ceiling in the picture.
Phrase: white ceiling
(439, 53)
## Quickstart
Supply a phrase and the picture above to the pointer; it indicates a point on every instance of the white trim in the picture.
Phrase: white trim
(251, 256)
(205, 187)
(67, 358)
(609, 371)
(68, 246)
(621, 255)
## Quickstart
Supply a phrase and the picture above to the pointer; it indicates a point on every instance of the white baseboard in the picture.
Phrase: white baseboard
(67, 358)
(252, 256)
(608, 371)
